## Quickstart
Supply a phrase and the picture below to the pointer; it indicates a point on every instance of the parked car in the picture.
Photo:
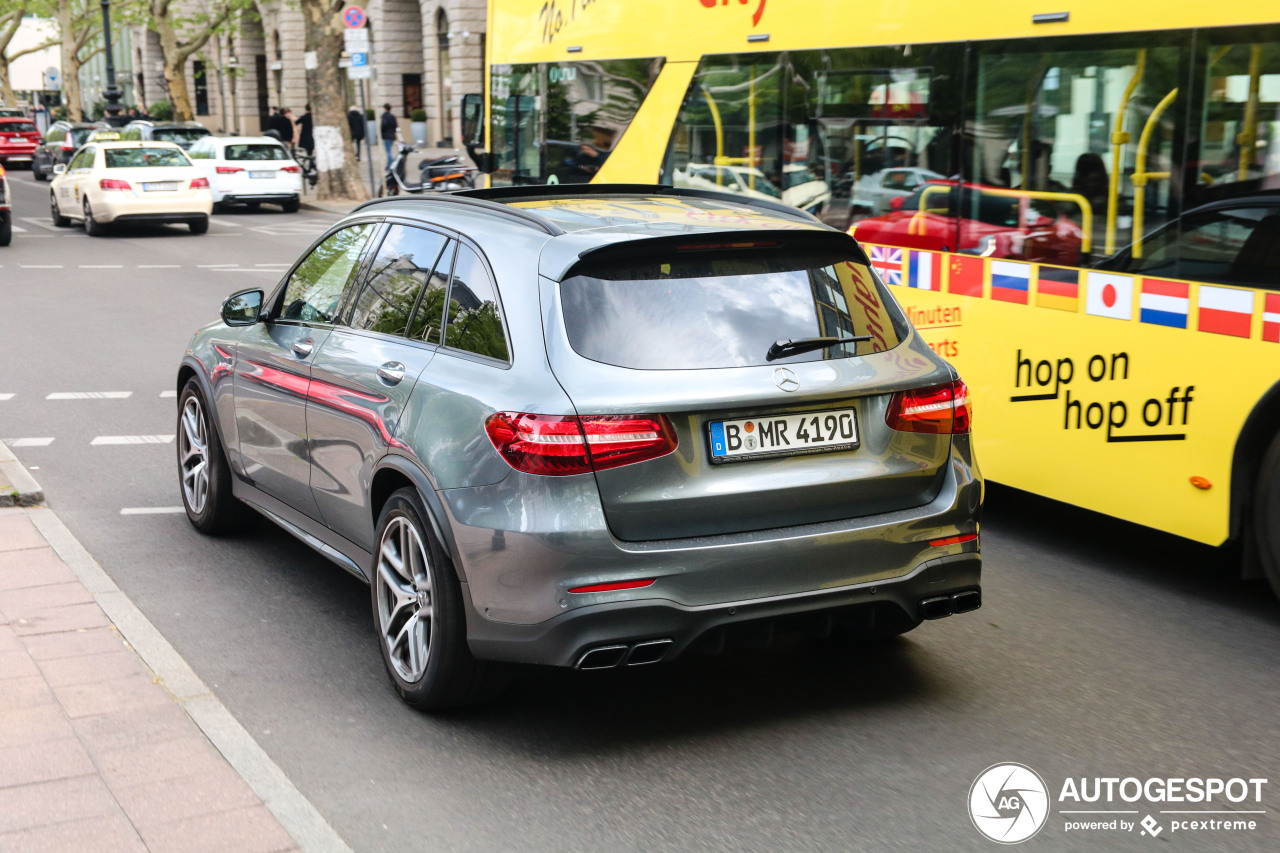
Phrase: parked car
(872, 194)
(249, 170)
(61, 141)
(18, 140)
(997, 226)
(13, 112)
(590, 427)
(111, 182)
(743, 180)
(184, 133)
(803, 189)
(6, 210)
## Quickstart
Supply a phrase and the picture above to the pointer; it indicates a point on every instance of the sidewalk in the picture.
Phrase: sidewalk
(342, 208)
(99, 750)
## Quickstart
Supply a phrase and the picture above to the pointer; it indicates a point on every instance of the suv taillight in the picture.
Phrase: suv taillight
(291, 169)
(114, 184)
(557, 446)
(940, 410)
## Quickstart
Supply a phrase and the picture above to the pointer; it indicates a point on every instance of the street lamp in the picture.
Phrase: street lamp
(111, 95)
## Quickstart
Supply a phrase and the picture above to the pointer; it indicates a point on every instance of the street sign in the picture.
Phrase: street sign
(359, 60)
(355, 41)
(353, 17)
(364, 72)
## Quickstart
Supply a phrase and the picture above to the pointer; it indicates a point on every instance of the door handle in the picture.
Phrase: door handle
(391, 372)
(302, 348)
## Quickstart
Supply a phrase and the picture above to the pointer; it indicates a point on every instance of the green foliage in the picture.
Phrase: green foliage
(162, 111)
(370, 115)
(418, 115)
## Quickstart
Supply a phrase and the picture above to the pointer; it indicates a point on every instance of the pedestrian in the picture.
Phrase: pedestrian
(355, 121)
(305, 140)
(292, 127)
(280, 123)
(389, 126)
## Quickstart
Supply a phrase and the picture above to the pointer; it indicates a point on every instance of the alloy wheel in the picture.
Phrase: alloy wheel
(193, 448)
(405, 609)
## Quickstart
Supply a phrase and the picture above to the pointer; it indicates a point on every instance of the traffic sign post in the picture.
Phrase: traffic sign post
(355, 41)
(353, 17)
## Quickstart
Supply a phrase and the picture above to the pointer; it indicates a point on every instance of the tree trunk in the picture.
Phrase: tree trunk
(339, 173)
(175, 69)
(6, 88)
(70, 61)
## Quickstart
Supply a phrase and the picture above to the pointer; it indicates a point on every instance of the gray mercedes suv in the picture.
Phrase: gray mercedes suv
(589, 426)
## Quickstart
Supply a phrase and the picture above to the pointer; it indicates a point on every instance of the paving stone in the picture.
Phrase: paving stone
(32, 567)
(83, 641)
(69, 618)
(155, 762)
(44, 803)
(17, 664)
(90, 669)
(9, 640)
(22, 603)
(133, 727)
(28, 692)
(55, 759)
(153, 803)
(17, 532)
(29, 726)
(107, 834)
(103, 697)
(251, 830)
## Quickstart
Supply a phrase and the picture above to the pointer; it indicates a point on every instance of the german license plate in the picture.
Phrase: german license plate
(262, 174)
(160, 186)
(17, 139)
(783, 435)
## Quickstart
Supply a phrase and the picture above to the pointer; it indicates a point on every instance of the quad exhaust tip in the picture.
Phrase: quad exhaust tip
(942, 606)
(636, 654)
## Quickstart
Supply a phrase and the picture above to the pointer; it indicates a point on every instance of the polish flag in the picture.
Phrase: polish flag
(1271, 318)
(1226, 310)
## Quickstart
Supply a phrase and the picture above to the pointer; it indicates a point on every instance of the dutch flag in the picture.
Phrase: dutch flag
(1164, 303)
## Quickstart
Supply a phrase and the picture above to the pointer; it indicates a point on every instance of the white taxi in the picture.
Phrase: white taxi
(108, 182)
(249, 170)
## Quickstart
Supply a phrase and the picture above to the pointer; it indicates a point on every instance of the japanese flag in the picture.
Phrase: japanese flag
(1109, 295)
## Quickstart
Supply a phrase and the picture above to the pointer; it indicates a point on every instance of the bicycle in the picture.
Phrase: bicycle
(308, 163)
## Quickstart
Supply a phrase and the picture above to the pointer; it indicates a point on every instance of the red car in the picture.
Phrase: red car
(18, 140)
(998, 226)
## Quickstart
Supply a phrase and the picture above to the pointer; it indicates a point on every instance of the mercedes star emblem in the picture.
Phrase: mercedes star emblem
(786, 379)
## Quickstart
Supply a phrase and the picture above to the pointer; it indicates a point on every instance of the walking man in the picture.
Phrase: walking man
(306, 141)
(388, 127)
(355, 121)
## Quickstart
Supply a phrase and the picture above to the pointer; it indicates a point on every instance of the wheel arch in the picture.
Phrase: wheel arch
(1260, 428)
(394, 472)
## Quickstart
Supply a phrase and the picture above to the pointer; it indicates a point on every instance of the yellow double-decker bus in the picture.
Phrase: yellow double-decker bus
(1079, 205)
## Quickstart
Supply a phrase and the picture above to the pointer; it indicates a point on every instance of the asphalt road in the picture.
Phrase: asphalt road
(1103, 650)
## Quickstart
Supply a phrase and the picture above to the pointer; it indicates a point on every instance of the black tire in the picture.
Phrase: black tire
(56, 212)
(1266, 514)
(450, 677)
(37, 172)
(253, 205)
(220, 512)
(291, 206)
(6, 230)
(92, 227)
(199, 226)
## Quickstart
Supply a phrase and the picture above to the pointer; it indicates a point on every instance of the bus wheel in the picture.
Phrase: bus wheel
(1266, 514)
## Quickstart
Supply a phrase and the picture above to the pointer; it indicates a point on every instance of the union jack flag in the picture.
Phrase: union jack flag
(887, 262)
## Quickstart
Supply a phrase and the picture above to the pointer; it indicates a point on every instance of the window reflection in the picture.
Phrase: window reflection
(400, 271)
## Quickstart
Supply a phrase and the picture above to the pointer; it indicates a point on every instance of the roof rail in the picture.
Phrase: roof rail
(549, 191)
(525, 217)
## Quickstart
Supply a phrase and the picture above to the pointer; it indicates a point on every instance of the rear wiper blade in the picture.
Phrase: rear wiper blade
(782, 349)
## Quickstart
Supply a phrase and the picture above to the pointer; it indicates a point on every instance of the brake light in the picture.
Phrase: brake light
(229, 170)
(557, 446)
(200, 184)
(940, 410)
(114, 184)
(292, 169)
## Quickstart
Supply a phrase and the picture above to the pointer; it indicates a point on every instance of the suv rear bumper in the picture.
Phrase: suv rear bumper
(242, 198)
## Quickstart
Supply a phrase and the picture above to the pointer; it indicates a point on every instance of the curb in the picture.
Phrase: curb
(342, 208)
(17, 486)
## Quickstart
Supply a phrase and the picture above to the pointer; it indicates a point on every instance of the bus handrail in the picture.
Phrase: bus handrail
(1118, 139)
(1247, 139)
(917, 225)
(1141, 176)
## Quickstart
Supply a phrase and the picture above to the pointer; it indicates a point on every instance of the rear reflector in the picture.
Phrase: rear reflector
(614, 587)
(953, 540)
(940, 410)
(557, 446)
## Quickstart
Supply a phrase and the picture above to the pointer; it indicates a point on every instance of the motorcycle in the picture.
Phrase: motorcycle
(442, 175)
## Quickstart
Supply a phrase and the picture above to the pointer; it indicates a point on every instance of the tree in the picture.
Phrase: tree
(79, 21)
(339, 174)
(183, 34)
(11, 15)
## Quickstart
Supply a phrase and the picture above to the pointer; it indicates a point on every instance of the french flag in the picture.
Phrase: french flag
(1271, 318)
(925, 270)
(1164, 303)
(1226, 310)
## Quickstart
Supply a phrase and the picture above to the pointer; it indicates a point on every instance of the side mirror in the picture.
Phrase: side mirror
(59, 168)
(243, 308)
(473, 120)
(895, 203)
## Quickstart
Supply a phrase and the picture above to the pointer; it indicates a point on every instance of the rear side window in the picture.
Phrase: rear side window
(315, 289)
(474, 321)
(256, 152)
(691, 310)
(401, 269)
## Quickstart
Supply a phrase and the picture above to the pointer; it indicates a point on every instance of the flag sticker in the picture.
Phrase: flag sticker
(1010, 281)
(924, 270)
(888, 262)
(1058, 287)
(1109, 295)
(1271, 318)
(1164, 303)
(965, 275)
(1225, 310)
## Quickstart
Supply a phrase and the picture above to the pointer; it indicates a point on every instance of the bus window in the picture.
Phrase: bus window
(558, 122)
(1240, 127)
(1043, 136)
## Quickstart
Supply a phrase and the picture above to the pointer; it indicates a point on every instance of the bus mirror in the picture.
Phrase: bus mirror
(473, 120)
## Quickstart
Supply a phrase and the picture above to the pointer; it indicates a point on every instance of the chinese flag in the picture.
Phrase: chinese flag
(965, 274)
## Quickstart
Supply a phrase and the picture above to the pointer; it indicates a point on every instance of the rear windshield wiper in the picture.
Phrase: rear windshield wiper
(782, 349)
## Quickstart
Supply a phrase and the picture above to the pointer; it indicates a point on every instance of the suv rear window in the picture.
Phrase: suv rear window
(256, 151)
(691, 310)
(17, 127)
(178, 134)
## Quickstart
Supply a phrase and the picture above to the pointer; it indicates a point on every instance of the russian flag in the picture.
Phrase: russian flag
(924, 270)
(1164, 303)
(1226, 310)
(1271, 318)
(1010, 281)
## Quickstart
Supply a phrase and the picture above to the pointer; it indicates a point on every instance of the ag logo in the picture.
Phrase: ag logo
(1008, 803)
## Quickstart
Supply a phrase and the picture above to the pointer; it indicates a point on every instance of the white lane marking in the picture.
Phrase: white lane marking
(90, 395)
(28, 442)
(40, 266)
(226, 223)
(40, 222)
(6, 396)
(168, 394)
(102, 266)
(152, 510)
(159, 266)
(214, 266)
(19, 230)
(242, 269)
(272, 265)
(130, 439)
